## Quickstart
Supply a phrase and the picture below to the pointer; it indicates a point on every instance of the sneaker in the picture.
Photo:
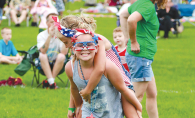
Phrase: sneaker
(17, 25)
(34, 24)
(45, 84)
(174, 32)
(53, 86)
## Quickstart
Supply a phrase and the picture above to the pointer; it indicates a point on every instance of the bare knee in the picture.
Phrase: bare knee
(140, 96)
(13, 12)
(60, 57)
(151, 91)
(24, 12)
(151, 94)
(3, 60)
(43, 57)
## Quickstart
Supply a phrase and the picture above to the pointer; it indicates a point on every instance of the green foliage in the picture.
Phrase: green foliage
(173, 67)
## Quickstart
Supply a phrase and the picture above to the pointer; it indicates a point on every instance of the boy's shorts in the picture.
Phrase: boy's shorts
(140, 68)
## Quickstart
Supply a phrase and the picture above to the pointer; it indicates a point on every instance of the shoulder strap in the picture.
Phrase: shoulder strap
(71, 62)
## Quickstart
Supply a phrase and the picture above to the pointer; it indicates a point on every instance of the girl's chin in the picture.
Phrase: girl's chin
(85, 58)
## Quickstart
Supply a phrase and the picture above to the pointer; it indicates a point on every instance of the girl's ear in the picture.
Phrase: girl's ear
(97, 48)
(73, 49)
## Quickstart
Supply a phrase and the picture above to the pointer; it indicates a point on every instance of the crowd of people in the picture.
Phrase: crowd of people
(19, 10)
(107, 81)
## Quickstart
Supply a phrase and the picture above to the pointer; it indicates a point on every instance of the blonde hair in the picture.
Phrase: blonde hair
(81, 22)
(2, 30)
(118, 29)
(77, 21)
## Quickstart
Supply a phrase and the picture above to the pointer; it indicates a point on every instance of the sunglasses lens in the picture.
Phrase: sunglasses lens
(79, 46)
(91, 46)
(88, 45)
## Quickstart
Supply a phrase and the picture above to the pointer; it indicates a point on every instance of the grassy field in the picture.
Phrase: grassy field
(173, 67)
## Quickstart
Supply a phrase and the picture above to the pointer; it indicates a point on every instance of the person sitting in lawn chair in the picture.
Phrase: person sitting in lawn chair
(7, 48)
(52, 53)
(167, 18)
(19, 7)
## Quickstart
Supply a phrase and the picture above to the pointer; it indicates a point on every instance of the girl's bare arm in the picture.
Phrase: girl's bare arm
(99, 68)
(74, 90)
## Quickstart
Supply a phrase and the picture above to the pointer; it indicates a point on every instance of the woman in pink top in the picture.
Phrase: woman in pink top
(42, 8)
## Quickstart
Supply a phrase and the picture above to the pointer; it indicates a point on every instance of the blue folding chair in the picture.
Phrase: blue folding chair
(186, 11)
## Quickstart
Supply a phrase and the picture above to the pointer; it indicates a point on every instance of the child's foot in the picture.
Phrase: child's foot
(17, 25)
(34, 24)
(174, 32)
(45, 84)
(53, 86)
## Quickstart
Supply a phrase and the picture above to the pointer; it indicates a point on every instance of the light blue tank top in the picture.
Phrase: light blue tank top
(106, 102)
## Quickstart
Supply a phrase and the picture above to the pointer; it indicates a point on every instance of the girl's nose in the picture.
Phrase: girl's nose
(85, 48)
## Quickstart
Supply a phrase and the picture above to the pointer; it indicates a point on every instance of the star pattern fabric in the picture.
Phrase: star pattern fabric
(63, 30)
(84, 31)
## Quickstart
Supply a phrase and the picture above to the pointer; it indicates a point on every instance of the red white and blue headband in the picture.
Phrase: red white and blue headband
(73, 33)
(63, 30)
(84, 31)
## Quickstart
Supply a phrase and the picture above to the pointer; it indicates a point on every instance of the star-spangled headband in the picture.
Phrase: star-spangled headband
(63, 30)
(73, 33)
(84, 31)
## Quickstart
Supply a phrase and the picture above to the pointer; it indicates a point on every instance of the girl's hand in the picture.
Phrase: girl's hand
(86, 96)
(70, 114)
(78, 112)
(139, 113)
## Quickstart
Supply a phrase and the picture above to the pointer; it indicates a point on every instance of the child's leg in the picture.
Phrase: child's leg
(13, 13)
(129, 109)
(140, 88)
(23, 16)
(15, 58)
(59, 63)
(7, 61)
(151, 99)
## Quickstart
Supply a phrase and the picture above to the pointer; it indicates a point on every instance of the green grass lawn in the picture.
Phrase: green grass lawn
(173, 67)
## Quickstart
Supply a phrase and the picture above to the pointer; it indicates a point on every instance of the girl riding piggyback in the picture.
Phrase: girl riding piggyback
(105, 98)
(66, 29)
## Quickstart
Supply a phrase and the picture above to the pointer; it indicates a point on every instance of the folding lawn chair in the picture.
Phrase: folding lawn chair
(176, 23)
(29, 60)
(186, 10)
(8, 15)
